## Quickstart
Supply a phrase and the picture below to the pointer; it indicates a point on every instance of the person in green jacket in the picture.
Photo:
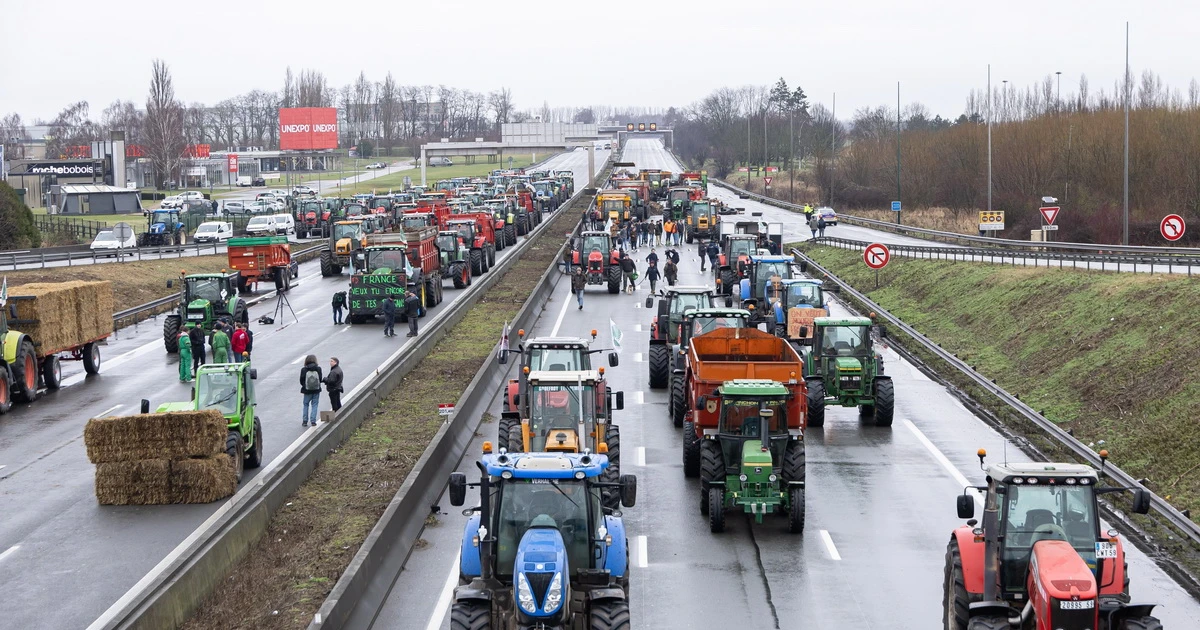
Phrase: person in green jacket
(185, 355)
(220, 344)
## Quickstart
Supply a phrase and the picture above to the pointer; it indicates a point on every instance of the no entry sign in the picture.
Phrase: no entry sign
(876, 255)
(1172, 227)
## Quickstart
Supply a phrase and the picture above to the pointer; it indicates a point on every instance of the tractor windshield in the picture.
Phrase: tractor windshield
(804, 294)
(567, 502)
(204, 289)
(447, 242)
(679, 197)
(741, 247)
(556, 359)
(465, 230)
(740, 416)
(614, 205)
(684, 302)
(355, 209)
(161, 217)
(386, 261)
(844, 340)
(596, 243)
(558, 407)
(415, 221)
(347, 230)
(701, 325)
(218, 390)
(768, 270)
(1034, 513)
(701, 209)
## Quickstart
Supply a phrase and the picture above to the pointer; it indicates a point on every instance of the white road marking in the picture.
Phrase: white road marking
(640, 460)
(443, 602)
(345, 329)
(301, 311)
(561, 313)
(643, 554)
(641, 397)
(941, 459)
(104, 413)
(299, 359)
(833, 552)
(637, 357)
(10, 550)
(638, 328)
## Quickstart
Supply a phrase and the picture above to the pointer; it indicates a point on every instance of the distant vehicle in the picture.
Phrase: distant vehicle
(213, 232)
(235, 207)
(285, 224)
(375, 165)
(262, 226)
(828, 214)
(173, 201)
(279, 194)
(244, 181)
(608, 145)
(106, 242)
(440, 161)
(191, 195)
(258, 181)
(260, 207)
(303, 189)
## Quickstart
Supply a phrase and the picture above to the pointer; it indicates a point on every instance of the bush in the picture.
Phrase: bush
(17, 230)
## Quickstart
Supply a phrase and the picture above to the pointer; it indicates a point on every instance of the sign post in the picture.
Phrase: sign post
(1172, 227)
(877, 255)
(232, 161)
(122, 232)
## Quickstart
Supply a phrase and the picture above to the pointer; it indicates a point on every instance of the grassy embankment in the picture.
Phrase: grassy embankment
(1110, 357)
(395, 181)
(134, 283)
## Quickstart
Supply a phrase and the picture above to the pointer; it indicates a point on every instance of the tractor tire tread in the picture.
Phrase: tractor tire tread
(678, 401)
(885, 402)
(660, 366)
(816, 403)
(691, 450)
(612, 614)
(470, 615)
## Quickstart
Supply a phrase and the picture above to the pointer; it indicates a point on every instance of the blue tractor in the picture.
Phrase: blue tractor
(540, 551)
(754, 287)
(165, 229)
(796, 303)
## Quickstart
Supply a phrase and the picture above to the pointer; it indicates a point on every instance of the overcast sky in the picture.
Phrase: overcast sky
(580, 53)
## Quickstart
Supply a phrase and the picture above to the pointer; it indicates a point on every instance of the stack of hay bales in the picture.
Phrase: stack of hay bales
(65, 314)
(160, 458)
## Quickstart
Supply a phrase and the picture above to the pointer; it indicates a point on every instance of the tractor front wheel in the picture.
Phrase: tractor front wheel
(989, 623)
(502, 429)
(885, 402)
(491, 256)
(728, 279)
(795, 510)
(460, 274)
(254, 458)
(510, 234)
(235, 448)
(660, 366)
(691, 450)
(516, 442)
(5, 391)
(171, 327)
(956, 602)
(326, 264)
(614, 279)
(612, 614)
(716, 509)
(678, 401)
(816, 403)
(25, 373)
(1141, 623)
(471, 615)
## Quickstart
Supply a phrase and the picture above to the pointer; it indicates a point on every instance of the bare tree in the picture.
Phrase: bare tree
(12, 135)
(388, 110)
(70, 128)
(313, 91)
(502, 105)
(165, 143)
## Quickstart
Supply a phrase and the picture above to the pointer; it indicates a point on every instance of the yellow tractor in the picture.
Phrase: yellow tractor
(345, 238)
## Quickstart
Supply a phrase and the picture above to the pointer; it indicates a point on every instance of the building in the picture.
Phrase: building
(94, 199)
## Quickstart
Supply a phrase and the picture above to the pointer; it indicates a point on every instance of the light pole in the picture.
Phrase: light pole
(1125, 79)
(989, 136)
(897, 149)
(1059, 97)
(832, 147)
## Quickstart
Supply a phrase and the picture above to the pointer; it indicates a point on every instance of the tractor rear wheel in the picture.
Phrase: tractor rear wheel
(500, 240)
(689, 236)
(326, 264)
(502, 428)
(795, 510)
(52, 372)
(728, 279)
(25, 373)
(614, 279)
(956, 602)
(816, 403)
(660, 366)
(171, 333)
(460, 274)
(691, 450)
(516, 442)
(236, 450)
(716, 509)
(476, 262)
(712, 468)
(678, 401)
(431, 298)
(885, 402)
(1141, 623)
(5, 391)
(611, 497)
(470, 615)
(491, 256)
(612, 614)
(510, 234)
(254, 458)
(612, 439)
(522, 226)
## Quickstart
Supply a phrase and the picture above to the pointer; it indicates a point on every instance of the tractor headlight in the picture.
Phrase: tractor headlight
(525, 594)
(554, 594)
(743, 478)
(773, 478)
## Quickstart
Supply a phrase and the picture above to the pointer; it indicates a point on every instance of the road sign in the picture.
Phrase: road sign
(895, 206)
(768, 180)
(1172, 227)
(991, 220)
(1049, 213)
(233, 162)
(445, 409)
(876, 255)
(122, 231)
(772, 169)
(743, 169)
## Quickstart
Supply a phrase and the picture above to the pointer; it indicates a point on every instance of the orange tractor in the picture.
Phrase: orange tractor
(1038, 559)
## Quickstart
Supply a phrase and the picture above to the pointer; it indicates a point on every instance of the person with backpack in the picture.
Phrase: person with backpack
(671, 272)
(220, 344)
(339, 303)
(333, 383)
(389, 317)
(412, 310)
(310, 386)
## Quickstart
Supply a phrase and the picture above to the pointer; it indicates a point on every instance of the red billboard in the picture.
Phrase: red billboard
(308, 128)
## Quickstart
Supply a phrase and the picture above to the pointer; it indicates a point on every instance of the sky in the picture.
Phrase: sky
(572, 53)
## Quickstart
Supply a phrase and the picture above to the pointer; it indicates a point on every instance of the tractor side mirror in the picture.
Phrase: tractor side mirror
(804, 331)
(803, 266)
(620, 401)
(883, 332)
(613, 359)
(701, 402)
(628, 490)
(145, 405)
(458, 489)
(253, 374)
(502, 356)
(170, 283)
(649, 301)
(966, 506)
(728, 302)
(1141, 501)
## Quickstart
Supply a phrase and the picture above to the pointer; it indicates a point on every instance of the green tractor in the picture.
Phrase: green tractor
(228, 388)
(456, 263)
(206, 298)
(841, 367)
(753, 463)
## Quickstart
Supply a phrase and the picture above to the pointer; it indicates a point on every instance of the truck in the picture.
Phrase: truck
(842, 367)
(695, 322)
(476, 232)
(601, 261)
(403, 261)
(752, 460)
(43, 325)
(267, 258)
(345, 237)
(729, 354)
(204, 299)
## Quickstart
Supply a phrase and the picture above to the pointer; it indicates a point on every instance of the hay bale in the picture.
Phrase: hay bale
(173, 435)
(202, 480)
(145, 482)
(65, 313)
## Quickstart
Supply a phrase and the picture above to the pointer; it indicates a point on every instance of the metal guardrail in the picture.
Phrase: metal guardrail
(32, 259)
(953, 237)
(1079, 449)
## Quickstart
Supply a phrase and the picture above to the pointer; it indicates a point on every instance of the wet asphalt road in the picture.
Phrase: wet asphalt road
(55, 540)
(880, 505)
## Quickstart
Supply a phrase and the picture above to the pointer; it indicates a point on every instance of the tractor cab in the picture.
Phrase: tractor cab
(164, 228)
(615, 205)
(545, 354)
(354, 209)
(796, 304)
(465, 228)
(842, 367)
(449, 242)
(679, 199)
(415, 220)
(701, 321)
(761, 271)
(701, 216)
(676, 301)
(564, 411)
(1040, 546)
(384, 260)
(229, 389)
(347, 236)
(595, 252)
(206, 297)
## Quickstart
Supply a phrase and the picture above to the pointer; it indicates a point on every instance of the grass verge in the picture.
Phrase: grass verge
(288, 573)
(1108, 357)
(395, 181)
(134, 283)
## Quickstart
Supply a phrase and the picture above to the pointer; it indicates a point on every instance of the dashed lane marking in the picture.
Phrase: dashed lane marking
(643, 554)
(641, 397)
(637, 357)
(640, 460)
(10, 550)
(443, 602)
(562, 312)
(833, 552)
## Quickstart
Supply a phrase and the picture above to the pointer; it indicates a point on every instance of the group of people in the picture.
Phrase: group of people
(629, 274)
(816, 222)
(311, 380)
(229, 342)
(391, 309)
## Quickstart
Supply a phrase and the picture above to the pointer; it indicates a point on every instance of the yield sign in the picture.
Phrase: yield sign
(876, 255)
(768, 180)
(1049, 213)
(1172, 227)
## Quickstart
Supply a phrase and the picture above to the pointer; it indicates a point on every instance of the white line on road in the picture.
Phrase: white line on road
(299, 359)
(346, 329)
(301, 311)
(443, 601)
(637, 357)
(640, 460)
(561, 313)
(833, 552)
(10, 550)
(941, 459)
(104, 413)
(643, 554)
(641, 397)
(639, 329)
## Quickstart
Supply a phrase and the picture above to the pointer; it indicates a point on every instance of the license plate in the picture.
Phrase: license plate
(1086, 604)
(1106, 550)
(196, 316)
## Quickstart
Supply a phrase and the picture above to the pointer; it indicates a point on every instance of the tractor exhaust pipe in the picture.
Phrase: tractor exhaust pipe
(1021, 619)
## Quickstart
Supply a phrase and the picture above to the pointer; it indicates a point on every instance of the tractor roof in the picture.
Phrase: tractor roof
(563, 376)
(688, 290)
(545, 465)
(1040, 471)
(557, 342)
(753, 387)
(716, 312)
(803, 281)
(842, 321)
(772, 259)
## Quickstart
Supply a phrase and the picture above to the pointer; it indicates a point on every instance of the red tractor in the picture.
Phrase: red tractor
(602, 263)
(1039, 559)
(476, 232)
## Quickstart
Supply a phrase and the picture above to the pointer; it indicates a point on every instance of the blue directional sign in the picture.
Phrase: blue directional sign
(895, 206)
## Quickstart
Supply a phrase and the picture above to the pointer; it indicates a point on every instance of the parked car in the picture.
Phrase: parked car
(258, 181)
(173, 201)
(191, 195)
(106, 243)
(213, 232)
(303, 189)
(285, 224)
(440, 161)
(260, 207)
(376, 165)
(279, 194)
(262, 226)
(828, 214)
(235, 207)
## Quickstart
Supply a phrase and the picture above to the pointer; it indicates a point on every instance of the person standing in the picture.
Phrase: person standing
(813, 224)
(412, 309)
(628, 269)
(389, 317)
(333, 383)
(310, 386)
(714, 253)
(652, 259)
(821, 226)
(197, 336)
(702, 250)
(220, 344)
(238, 342)
(249, 342)
(339, 303)
(671, 272)
(653, 275)
(185, 355)
(578, 283)
(658, 231)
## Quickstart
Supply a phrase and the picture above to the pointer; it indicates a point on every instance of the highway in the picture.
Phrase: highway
(880, 503)
(64, 559)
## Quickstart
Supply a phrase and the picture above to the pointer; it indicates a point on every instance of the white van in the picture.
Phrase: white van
(262, 225)
(285, 224)
(440, 161)
(213, 232)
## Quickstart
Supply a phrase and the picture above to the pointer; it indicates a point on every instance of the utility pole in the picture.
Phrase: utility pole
(747, 146)
(792, 156)
(989, 135)
(832, 147)
(897, 149)
(1059, 97)
(1125, 224)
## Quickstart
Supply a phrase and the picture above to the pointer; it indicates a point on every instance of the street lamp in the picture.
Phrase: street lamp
(1059, 98)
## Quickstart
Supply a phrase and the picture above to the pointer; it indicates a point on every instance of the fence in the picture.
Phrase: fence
(79, 229)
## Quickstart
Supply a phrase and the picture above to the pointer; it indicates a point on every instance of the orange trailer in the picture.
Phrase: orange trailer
(262, 259)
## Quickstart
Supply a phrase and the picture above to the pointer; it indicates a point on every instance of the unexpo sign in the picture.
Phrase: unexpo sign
(308, 128)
